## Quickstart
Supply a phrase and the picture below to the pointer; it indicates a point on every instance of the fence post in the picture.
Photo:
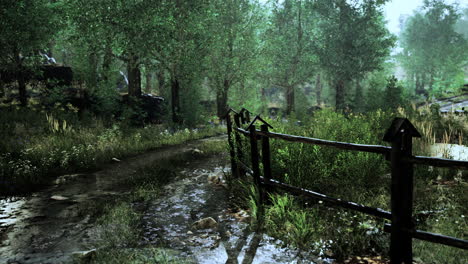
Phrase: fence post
(242, 118)
(231, 146)
(401, 134)
(240, 155)
(266, 159)
(247, 116)
(255, 160)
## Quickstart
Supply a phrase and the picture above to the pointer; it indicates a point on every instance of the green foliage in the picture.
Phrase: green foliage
(320, 167)
(31, 154)
(37, 22)
(351, 41)
(294, 225)
(118, 225)
(289, 46)
(433, 52)
(234, 50)
(393, 93)
(133, 256)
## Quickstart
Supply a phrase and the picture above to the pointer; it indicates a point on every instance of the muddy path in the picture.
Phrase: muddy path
(52, 224)
(55, 224)
(171, 222)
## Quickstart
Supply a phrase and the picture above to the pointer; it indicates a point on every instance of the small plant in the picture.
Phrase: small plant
(57, 126)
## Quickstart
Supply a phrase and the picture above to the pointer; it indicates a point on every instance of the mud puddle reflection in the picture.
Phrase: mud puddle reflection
(200, 195)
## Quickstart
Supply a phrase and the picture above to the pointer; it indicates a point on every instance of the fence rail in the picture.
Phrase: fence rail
(399, 154)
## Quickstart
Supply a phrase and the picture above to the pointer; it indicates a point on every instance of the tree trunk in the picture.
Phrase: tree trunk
(318, 90)
(358, 98)
(2, 89)
(289, 99)
(340, 95)
(161, 81)
(93, 74)
(221, 99)
(21, 81)
(22, 87)
(175, 101)
(134, 77)
(431, 82)
(423, 83)
(106, 64)
(149, 78)
(418, 85)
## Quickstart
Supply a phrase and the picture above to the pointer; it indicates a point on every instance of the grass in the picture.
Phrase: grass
(36, 147)
(363, 178)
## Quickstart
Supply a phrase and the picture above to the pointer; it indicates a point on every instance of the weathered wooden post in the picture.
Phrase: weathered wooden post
(231, 146)
(240, 155)
(247, 116)
(254, 156)
(400, 135)
(242, 118)
(266, 159)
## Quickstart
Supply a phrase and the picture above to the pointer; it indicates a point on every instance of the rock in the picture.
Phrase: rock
(59, 198)
(189, 233)
(228, 234)
(197, 152)
(214, 179)
(242, 216)
(66, 178)
(85, 255)
(205, 223)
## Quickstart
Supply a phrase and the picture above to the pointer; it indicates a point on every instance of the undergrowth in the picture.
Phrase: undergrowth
(35, 146)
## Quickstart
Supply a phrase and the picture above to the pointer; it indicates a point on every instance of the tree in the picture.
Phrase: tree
(462, 24)
(183, 52)
(352, 40)
(235, 46)
(26, 26)
(393, 93)
(123, 29)
(432, 49)
(289, 45)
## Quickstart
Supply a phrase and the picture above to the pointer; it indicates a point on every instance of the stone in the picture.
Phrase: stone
(59, 198)
(214, 179)
(189, 233)
(85, 255)
(205, 223)
(196, 152)
(66, 178)
(242, 216)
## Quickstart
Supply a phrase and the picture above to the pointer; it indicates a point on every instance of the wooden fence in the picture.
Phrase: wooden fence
(399, 135)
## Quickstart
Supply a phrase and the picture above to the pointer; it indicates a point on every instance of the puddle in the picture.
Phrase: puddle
(449, 151)
(9, 210)
(168, 223)
(453, 103)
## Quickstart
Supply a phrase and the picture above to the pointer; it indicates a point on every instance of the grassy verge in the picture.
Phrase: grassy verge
(119, 224)
(363, 178)
(36, 147)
